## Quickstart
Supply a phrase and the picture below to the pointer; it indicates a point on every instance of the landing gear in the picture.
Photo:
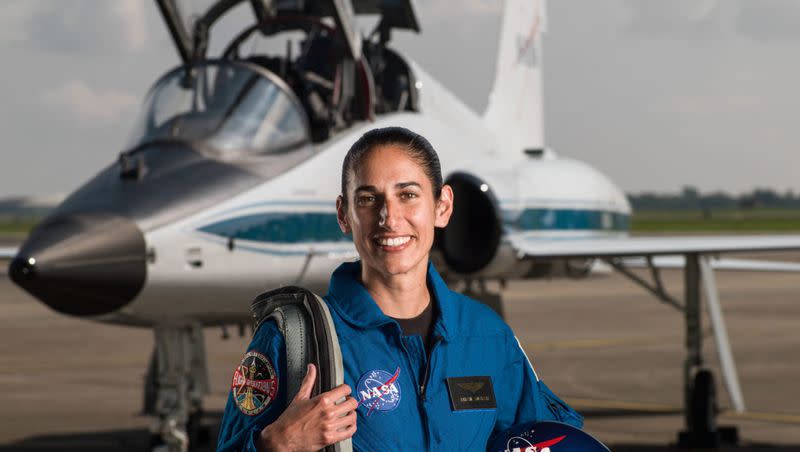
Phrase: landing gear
(482, 294)
(176, 381)
(703, 404)
(700, 401)
(703, 431)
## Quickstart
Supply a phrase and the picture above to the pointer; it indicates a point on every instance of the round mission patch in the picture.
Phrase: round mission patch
(254, 383)
(379, 390)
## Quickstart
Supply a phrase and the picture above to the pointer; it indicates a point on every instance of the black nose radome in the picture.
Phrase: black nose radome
(82, 264)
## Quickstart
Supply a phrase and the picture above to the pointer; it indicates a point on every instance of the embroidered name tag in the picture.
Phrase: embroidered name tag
(471, 393)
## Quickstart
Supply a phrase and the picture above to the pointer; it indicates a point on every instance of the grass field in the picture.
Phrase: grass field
(742, 221)
(756, 220)
(17, 226)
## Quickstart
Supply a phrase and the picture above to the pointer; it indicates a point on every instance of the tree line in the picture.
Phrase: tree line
(690, 198)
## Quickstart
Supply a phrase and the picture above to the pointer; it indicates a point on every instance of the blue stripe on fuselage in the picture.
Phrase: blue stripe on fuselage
(314, 227)
(544, 219)
(280, 227)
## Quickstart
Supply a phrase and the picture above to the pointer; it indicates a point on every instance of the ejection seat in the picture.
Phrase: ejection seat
(395, 85)
(334, 88)
(320, 72)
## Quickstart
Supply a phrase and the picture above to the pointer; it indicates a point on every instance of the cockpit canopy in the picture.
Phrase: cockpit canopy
(190, 21)
(264, 102)
(231, 107)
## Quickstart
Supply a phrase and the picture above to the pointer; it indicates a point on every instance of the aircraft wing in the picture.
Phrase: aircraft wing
(537, 247)
(7, 253)
(727, 264)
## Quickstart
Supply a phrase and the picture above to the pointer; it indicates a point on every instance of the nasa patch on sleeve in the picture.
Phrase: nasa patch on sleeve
(254, 383)
(471, 393)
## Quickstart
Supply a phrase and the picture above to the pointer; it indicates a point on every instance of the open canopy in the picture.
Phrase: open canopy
(231, 107)
(191, 31)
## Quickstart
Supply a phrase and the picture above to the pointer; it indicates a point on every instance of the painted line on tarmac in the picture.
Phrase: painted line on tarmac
(622, 405)
(784, 418)
(579, 403)
(20, 367)
(600, 342)
(604, 342)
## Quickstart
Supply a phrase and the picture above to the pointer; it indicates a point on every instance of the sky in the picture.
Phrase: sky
(656, 95)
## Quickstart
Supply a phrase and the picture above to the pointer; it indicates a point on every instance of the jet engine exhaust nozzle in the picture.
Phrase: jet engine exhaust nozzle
(82, 264)
(470, 241)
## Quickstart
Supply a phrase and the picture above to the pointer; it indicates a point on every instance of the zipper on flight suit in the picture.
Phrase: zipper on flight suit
(424, 385)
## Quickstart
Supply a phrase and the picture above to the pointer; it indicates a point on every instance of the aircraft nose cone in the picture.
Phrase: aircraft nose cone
(82, 264)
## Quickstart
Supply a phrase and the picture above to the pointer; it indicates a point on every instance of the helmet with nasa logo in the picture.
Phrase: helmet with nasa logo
(544, 436)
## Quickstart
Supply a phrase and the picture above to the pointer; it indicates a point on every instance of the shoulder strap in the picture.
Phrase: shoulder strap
(287, 308)
(305, 321)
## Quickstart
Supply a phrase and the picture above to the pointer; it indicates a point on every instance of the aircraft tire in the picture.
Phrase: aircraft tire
(704, 403)
(199, 434)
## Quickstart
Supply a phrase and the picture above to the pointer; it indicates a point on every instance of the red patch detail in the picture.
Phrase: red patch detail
(385, 387)
(254, 384)
(549, 442)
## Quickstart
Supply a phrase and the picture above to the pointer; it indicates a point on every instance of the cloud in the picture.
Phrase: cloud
(763, 19)
(770, 19)
(436, 10)
(477, 6)
(131, 14)
(714, 106)
(678, 17)
(81, 102)
(77, 26)
(15, 16)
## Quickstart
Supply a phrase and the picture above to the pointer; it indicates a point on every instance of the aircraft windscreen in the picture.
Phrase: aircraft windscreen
(228, 106)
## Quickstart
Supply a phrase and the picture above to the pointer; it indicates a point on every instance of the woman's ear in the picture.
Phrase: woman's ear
(444, 207)
(341, 215)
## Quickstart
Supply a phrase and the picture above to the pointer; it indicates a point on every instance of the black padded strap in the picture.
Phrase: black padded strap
(293, 322)
(287, 307)
(307, 327)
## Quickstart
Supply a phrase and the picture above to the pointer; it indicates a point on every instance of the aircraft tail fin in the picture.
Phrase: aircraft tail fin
(515, 109)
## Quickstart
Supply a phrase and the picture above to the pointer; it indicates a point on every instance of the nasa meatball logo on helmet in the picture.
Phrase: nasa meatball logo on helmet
(521, 444)
(379, 390)
(545, 436)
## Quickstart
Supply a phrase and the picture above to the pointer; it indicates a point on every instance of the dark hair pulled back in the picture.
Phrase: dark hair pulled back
(417, 147)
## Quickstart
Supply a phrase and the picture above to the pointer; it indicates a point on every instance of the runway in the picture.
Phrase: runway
(606, 346)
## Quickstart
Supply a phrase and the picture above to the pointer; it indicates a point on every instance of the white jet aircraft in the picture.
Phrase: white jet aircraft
(227, 189)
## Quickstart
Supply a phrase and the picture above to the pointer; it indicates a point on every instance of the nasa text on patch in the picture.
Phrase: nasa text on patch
(471, 393)
(379, 390)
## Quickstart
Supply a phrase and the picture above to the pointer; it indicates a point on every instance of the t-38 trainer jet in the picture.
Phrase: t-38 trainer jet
(228, 183)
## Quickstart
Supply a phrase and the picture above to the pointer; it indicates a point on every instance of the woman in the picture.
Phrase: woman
(425, 368)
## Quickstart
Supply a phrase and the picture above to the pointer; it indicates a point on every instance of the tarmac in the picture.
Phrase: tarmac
(605, 345)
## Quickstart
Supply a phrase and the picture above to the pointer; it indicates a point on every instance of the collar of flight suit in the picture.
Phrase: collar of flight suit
(355, 304)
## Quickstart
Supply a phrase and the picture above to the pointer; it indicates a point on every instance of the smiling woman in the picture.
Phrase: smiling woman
(425, 368)
(392, 198)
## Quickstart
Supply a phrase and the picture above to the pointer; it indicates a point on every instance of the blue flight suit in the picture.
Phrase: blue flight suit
(401, 407)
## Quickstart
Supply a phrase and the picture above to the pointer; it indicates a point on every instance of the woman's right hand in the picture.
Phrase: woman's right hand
(311, 423)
